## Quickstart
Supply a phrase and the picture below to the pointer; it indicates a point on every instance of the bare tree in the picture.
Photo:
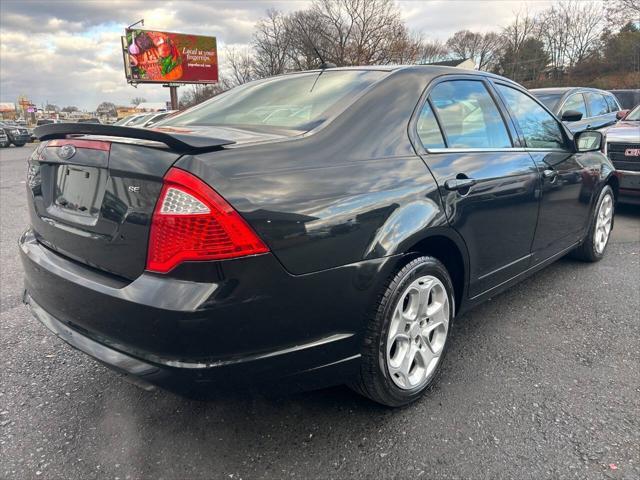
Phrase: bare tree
(241, 65)
(432, 51)
(571, 32)
(513, 39)
(482, 48)
(137, 101)
(199, 93)
(585, 28)
(271, 42)
(621, 12)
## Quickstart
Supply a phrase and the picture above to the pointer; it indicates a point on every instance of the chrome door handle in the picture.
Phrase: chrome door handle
(549, 173)
(459, 183)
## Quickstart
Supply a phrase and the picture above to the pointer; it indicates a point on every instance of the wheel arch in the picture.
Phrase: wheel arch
(451, 250)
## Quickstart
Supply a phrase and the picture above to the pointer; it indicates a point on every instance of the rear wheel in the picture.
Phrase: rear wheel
(595, 243)
(406, 340)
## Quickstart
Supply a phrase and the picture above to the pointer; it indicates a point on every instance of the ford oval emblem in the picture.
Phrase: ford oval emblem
(66, 151)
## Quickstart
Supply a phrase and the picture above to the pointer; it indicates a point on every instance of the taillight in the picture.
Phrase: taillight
(192, 222)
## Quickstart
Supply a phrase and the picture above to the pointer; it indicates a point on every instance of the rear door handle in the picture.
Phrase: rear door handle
(459, 183)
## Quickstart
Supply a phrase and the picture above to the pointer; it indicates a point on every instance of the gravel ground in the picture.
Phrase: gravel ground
(543, 381)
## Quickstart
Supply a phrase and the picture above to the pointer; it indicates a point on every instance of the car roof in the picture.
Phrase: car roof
(430, 70)
(563, 90)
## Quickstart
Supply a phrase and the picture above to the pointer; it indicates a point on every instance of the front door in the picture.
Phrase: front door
(565, 178)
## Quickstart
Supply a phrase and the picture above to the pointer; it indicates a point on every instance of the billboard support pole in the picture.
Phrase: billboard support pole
(173, 93)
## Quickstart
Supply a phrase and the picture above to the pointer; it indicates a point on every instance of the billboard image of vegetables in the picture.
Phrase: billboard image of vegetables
(161, 57)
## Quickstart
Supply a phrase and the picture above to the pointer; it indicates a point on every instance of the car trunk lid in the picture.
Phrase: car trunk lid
(92, 200)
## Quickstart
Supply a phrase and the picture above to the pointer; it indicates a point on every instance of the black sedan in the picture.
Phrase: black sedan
(311, 229)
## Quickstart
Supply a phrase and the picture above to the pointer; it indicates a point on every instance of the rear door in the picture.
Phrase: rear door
(92, 201)
(565, 180)
(488, 184)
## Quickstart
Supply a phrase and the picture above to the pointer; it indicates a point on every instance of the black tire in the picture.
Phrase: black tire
(19, 144)
(374, 380)
(587, 251)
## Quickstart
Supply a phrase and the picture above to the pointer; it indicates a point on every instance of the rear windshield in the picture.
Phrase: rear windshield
(550, 100)
(297, 101)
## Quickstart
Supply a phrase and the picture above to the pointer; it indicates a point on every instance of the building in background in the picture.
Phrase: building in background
(8, 111)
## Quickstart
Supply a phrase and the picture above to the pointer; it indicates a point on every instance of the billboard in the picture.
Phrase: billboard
(151, 56)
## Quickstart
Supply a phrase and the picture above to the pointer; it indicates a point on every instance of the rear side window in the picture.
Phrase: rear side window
(575, 102)
(428, 129)
(468, 115)
(613, 106)
(597, 104)
(539, 127)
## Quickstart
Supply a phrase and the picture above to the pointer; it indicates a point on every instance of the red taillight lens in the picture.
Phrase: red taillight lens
(192, 222)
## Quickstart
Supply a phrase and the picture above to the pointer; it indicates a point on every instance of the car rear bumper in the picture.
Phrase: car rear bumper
(253, 324)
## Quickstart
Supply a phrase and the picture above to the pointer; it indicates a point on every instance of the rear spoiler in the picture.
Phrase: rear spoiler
(180, 142)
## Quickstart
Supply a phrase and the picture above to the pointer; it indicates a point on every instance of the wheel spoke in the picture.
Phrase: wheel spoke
(430, 335)
(426, 357)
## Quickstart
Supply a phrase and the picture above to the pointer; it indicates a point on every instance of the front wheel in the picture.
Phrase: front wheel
(597, 239)
(19, 144)
(406, 340)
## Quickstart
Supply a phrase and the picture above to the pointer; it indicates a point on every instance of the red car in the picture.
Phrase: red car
(622, 146)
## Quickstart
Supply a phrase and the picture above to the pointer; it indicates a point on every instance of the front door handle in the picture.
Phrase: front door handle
(459, 183)
(549, 174)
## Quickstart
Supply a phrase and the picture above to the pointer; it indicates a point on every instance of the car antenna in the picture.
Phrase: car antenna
(323, 65)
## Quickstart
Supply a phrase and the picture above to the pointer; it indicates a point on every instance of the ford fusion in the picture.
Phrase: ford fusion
(310, 229)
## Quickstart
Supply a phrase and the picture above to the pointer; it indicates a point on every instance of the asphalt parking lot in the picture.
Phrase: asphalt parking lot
(541, 382)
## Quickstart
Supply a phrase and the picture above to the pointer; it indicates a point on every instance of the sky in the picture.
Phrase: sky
(68, 52)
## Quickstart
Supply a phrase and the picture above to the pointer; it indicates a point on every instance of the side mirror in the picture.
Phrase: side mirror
(588, 141)
(571, 116)
(622, 114)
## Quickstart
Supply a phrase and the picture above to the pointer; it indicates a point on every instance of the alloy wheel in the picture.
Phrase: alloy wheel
(604, 220)
(418, 332)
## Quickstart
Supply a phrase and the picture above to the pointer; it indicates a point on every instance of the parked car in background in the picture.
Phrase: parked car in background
(627, 98)
(17, 135)
(89, 120)
(4, 139)
(46, 121)
(144, 120)
(132, 120)
(622, 146)
(158, 117)
(580, 108)
(333, 242)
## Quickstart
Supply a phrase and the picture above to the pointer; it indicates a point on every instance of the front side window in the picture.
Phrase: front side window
(597, 104)
(539, 127)
(576, 103)
(613, 106)
(428, 129)
(469, 117)
(296, 101)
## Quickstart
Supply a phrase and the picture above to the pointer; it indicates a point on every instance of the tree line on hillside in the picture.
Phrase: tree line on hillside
(571, 42)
